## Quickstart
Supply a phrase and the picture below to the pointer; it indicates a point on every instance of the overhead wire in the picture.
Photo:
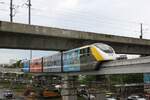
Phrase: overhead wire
(131, 22)
(99, 16)
(102, 21)
(106, 19)
(67, 23)
(79, 12)
(87, 19)
(93, 20)
(116, 20)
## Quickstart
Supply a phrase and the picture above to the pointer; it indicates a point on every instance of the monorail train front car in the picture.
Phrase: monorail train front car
(103, 52)
(87, 57)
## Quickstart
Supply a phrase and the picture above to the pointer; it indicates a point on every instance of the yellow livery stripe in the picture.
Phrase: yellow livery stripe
(96, 54)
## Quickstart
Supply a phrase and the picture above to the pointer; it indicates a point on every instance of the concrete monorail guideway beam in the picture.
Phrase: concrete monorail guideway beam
(23, 36)
(138, 65)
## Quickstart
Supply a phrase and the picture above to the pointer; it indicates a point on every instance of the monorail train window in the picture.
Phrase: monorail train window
(81, 51)
(76, 54)
(58, 63)
(104, 48)
(85, 51)
(88, 51)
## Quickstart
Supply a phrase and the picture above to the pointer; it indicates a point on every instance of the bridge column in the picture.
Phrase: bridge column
(69, 91)
(100, 96)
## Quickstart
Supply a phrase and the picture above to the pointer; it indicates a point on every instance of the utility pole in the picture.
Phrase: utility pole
(29, 16)
(141, 31)
(11, 11)
(30, 54)
(29, 20)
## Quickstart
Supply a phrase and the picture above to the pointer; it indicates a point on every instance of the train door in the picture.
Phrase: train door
(86, 59)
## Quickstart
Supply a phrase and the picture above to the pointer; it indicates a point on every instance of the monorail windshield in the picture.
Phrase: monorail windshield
(104, 47)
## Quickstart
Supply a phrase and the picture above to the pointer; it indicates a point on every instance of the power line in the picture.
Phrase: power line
(88, 21)
(85, 15)
(1, 2)
(96, 17)
(102, 21)
(4, 10)
(120, 22)
(68, 22)
(99, 17)
(131, 22)
(79, 11)
(84, 18)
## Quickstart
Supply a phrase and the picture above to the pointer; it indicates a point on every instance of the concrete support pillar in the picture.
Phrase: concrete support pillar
(69, 91)
(100, 96)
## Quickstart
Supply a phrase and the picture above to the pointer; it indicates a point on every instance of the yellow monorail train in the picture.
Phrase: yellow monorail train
(84, 58)
(87, 57)
(102, 52)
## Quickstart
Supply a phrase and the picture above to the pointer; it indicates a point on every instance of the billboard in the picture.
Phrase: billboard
(71, 61)
(36, 65)
(52, 63)
(26, 66)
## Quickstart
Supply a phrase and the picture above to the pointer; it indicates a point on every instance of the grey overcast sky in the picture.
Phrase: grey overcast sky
(118, 17)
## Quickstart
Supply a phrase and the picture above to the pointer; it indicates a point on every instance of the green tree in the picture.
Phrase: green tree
(17, 64)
